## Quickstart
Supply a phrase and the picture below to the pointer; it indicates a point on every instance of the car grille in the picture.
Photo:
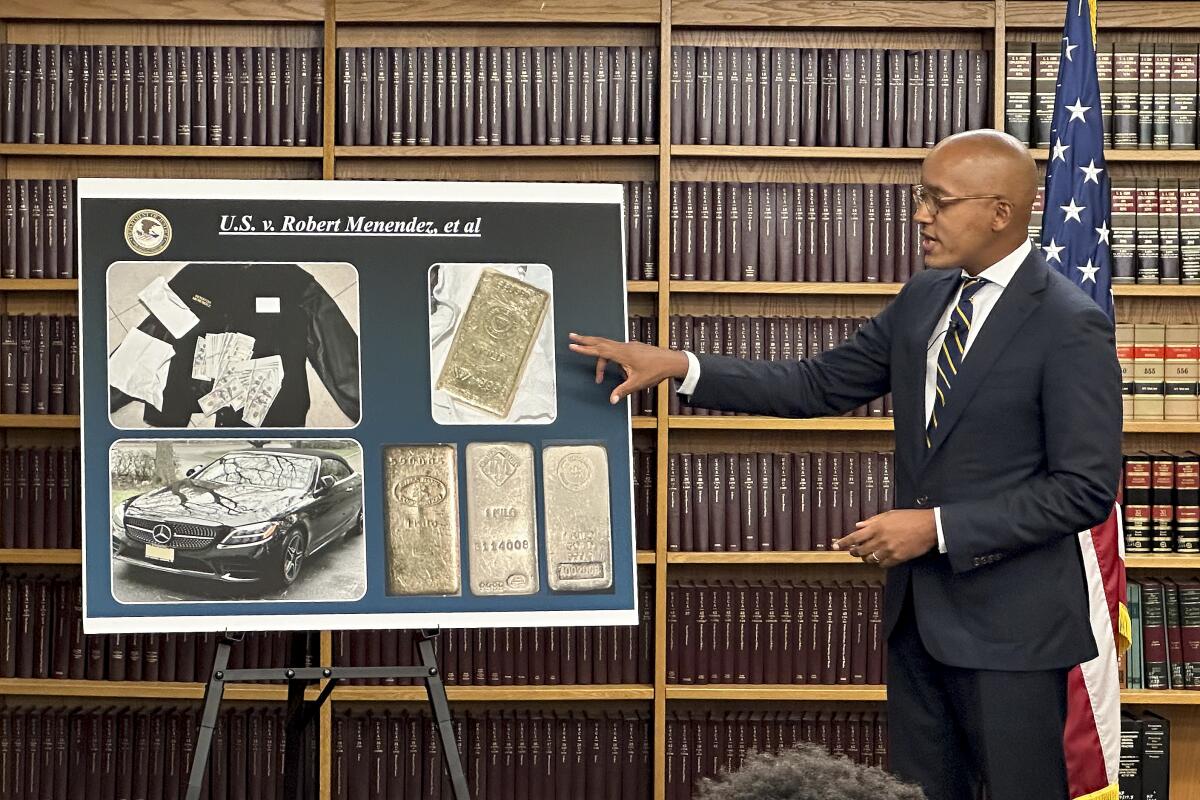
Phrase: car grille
(185, 535)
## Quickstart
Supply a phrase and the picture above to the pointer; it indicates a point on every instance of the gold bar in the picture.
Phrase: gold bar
(420, 509)
(578, 520)
(501, 519)
(492, 344)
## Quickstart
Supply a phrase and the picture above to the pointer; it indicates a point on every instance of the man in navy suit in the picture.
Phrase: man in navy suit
(1006, 393)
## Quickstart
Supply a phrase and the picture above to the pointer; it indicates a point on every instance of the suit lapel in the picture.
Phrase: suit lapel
(1018, 300)
(909, 394)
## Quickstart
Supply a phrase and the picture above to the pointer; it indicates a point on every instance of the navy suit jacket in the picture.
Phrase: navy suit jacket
(1027, 454)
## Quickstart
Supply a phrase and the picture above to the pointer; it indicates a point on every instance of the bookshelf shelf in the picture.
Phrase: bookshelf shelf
(156, 151)
(1162, 560)
(498, 694)
(775, 287)
(11, 555)
(882, 289)
(39, 420)
(779, 424)
(38, 285)
(1116, 14)
(644, 423)
(1152, 156)
(644, 287)
(500, 151)
(760, 151)
(141, 11)
(511, 11)
(874, 694)
(838, 694)
(151, 690)
(769, 557)
(646, 556)
(874, 14)
(1161, 426)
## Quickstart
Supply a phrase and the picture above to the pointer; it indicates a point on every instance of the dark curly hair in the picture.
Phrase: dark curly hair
(807, 772)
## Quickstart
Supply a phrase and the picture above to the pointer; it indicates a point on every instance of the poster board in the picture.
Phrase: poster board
(350, 404)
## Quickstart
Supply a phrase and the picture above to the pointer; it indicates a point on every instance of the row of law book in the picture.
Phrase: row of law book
(161, 95)
(395, 754)
(41, 636)
(561, 656)
(1148, 93)
(37, 228)
(40, 498)
(120, 752)
(1160, 502)
(729, 502)
(39, 364)
(643, 403)
(764, 338)
(828, 97)
(1160, 370)
(1144, 768)
(775, 632)
(761, 231)
(1165, 649)
(645, 498)
(641, 230)
(706, 744)
(497, 95)
(1155, 231)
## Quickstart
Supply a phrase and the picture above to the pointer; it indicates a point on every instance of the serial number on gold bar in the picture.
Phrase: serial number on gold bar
(420, 506)
(578, 518)
(491, 347)
(501, 518)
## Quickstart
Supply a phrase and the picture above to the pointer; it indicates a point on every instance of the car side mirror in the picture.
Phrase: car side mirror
(191, 471)
(326, 483)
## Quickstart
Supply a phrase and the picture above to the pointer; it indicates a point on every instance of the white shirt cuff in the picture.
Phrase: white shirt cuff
(693, 374)
(937, 519)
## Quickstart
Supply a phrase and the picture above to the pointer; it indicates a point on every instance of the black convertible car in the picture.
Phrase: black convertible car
(250, 515)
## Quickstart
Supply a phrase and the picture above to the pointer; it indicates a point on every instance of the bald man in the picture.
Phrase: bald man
(1007, 404)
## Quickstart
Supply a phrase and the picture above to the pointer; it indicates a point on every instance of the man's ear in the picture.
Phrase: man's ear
(1002, 217)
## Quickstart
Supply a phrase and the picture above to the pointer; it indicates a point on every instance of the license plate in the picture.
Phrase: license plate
(159, 553)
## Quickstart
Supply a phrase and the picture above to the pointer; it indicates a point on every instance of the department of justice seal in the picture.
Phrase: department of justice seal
(147, 232)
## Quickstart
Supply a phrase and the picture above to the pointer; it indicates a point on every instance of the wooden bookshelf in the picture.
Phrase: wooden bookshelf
(498, 694)
(150, 690)
(39, 420)
(156, 151)
(38, 285)
(40, 556)
(332, 23)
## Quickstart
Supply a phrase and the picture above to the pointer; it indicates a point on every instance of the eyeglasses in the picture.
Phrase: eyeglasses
(934, 202)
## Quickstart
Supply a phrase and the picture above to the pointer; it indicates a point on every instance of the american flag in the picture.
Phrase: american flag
(1075, 239)
(1075, 231)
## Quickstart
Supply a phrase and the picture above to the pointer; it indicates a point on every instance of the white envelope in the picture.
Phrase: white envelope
(139, 367)
(168, 307)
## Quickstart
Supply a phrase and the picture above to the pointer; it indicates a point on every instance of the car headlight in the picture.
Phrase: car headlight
(256, 533)
(118, 517)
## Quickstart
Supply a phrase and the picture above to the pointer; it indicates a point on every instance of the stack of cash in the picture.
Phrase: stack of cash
(245, 384)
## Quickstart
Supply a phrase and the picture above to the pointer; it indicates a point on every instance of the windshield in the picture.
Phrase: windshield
(268, 470)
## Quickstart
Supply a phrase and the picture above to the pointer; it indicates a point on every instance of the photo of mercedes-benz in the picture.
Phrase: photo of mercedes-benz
(252, 515)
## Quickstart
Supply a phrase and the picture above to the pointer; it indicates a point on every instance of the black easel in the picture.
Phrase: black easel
(301, 713)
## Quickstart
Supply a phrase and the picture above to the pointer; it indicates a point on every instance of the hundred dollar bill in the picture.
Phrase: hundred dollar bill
(501, 519)
(492, 344)
(578, 520)
(198, 360)
(420, 508)
(261, 395)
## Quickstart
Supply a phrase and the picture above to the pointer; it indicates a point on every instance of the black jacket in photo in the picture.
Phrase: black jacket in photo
(307, 327)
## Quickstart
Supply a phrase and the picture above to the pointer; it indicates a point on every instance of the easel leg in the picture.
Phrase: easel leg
(441, 715)
(208, 720)
(296, 769)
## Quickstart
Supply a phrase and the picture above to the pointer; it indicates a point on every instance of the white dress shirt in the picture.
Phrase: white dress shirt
(998, 276)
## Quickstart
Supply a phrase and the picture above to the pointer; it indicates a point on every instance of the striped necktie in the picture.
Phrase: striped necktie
(954, 347)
